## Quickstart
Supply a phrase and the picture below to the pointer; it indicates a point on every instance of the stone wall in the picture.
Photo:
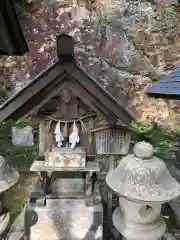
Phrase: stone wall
(146, 47)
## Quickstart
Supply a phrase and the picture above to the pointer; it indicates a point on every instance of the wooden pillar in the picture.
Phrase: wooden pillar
(109, 201)
(41, 138)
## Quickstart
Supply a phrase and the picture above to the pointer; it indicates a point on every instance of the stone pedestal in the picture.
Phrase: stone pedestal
(143, 183)
(65, 182)
(65, 157)
(134, 221)
(68, 220)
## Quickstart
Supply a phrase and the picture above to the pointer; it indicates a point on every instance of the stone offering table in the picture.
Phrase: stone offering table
(143, 183)
(60, 186)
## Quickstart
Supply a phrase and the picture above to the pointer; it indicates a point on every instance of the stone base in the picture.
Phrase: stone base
(67, 220)
(169, 236)
(132, 230)
(68, 182)
(4, 221)
(16, 236)
(65, 157)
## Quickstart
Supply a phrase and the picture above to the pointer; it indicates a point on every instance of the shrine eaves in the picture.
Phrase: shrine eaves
(12, 41)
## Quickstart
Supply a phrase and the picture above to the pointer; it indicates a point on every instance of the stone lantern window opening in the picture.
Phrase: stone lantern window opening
(143, 183)
(145, 210)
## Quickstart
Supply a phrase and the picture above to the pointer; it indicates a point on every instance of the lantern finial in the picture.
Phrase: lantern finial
(143, 150)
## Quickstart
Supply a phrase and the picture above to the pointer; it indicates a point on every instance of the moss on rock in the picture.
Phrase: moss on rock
(162, 139)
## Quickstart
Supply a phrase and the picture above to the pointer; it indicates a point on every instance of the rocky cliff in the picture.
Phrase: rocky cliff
(126, 45)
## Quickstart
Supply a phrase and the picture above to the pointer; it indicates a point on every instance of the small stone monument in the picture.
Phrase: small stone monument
(22, 136)
(143, 183)
(8, 178)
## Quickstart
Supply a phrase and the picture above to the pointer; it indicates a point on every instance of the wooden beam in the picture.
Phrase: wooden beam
(109, 200)
(100, 94)
(77, 91)
(36, 99)
(90, 101)
(41, 138)
(101, 128)
(41, 81)
(65, 195)
(54, 89)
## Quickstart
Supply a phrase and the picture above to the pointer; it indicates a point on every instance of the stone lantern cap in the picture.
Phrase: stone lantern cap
(143, 177)
(8, 176)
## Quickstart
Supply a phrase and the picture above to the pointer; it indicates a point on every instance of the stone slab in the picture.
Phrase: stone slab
(39, 166)
(65, 157)
(68, 185)
(16, 236)
(68, 220)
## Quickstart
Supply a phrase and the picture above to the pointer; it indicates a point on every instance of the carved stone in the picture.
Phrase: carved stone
(66, 94)
(65, 157)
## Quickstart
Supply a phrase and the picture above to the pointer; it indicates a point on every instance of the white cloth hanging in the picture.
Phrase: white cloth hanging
(58, 135)
(74, 137)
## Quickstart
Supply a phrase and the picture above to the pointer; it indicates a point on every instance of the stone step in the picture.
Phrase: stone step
(68, 219)
(16, 236)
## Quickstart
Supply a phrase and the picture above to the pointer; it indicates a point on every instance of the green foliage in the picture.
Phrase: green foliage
(163, 140)
(16, 156)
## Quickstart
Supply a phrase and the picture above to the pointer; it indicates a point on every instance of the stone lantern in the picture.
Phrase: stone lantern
(8, 177)
(143, 183)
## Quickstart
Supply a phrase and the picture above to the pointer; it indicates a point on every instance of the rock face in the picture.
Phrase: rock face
(145, 46)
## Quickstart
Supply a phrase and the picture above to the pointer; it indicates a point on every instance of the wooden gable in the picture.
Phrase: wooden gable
(49, 84)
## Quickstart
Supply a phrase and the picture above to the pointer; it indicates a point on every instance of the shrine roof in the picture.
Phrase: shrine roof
(168, 88)
(64, 66)
(12, 41)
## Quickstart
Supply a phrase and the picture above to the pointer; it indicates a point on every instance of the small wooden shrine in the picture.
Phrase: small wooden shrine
(77, 118)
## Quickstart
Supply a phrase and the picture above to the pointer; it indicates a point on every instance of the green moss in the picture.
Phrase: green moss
(15, 198)
(16, 156)
(162, 139)
(155, 79)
